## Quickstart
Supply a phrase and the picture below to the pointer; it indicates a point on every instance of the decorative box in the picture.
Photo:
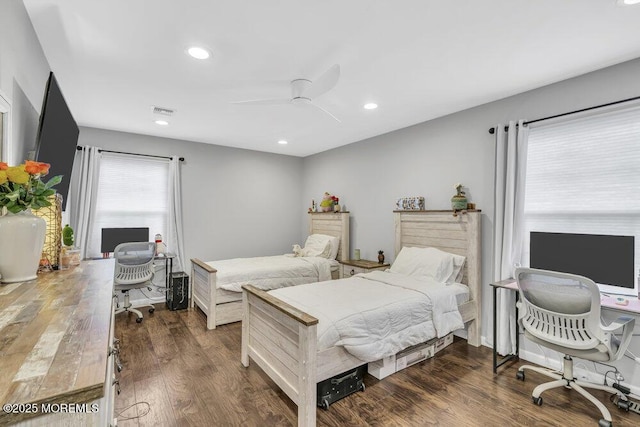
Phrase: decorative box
(410, 204)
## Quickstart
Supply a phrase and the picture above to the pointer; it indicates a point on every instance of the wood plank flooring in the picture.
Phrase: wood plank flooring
(176, 373)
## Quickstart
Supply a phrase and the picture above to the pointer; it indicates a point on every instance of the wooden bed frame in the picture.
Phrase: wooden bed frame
(282, 340)
(222, 306)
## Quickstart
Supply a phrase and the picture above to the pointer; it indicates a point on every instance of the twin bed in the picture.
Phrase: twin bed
(216, 285)
(298, 350)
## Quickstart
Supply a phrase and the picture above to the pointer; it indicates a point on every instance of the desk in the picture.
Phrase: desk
(57, 347)
(511, 285)
(607, 301)
(168, 267)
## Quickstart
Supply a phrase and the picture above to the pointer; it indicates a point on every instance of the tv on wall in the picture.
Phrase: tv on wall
(57, 137)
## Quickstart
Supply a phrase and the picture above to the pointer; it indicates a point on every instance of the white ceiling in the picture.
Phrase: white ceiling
(418, 59)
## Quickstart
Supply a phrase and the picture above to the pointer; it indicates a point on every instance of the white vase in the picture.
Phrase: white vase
(21, 243)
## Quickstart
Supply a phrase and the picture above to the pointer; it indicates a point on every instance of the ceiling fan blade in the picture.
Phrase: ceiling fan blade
(324, 83)
(311, 104)
(264, 102)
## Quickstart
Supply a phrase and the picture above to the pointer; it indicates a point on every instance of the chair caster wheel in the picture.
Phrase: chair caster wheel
(520, 375)
(151, 310)
(325, 404)
(362, 387)
(139, 320)
(537, 400)
(604, 423)
(623, 404)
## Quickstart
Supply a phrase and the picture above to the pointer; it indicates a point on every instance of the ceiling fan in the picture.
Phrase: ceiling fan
(304, 91)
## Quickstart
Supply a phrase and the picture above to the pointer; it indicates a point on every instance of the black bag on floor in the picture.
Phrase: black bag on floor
(342, 385)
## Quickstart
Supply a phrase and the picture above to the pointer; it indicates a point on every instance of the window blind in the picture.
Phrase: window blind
(583, 176)
(132, 192)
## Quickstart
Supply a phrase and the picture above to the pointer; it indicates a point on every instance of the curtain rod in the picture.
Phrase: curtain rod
(635, 98)
(100, 150)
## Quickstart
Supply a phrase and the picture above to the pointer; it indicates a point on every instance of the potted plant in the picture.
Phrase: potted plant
(459, 200)
(22, 233)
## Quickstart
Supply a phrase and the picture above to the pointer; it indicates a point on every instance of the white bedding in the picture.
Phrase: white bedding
(271, 272)
(377, 314)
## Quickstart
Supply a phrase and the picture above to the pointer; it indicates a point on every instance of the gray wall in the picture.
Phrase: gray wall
(23, 75)
(429, 158)
(236, 203)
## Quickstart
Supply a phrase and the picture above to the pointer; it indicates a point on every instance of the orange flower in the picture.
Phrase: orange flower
(35, 168)
(3, 166)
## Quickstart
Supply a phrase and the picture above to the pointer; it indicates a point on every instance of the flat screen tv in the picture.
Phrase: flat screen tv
(57, 137)
(607, 260)
(112, 237)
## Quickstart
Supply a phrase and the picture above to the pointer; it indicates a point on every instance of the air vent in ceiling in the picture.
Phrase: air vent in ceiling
(163, 111)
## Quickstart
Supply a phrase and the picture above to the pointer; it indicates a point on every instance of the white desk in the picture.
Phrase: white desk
(606, 301)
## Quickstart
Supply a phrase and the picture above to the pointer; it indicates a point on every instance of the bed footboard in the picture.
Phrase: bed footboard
(282, 341)
(203, 294)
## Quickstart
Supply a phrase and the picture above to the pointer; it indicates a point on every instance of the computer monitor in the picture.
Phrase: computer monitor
(112, 237)
(607, 260)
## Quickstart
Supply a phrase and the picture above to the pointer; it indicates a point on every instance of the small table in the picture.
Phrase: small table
(352, 267)
(509, 284)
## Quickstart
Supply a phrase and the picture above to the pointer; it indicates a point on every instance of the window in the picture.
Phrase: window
(132, 192)
(583, 176)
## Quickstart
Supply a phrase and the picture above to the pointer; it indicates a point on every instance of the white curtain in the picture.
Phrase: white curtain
(175, 240)
(509, 180)
(84, 183)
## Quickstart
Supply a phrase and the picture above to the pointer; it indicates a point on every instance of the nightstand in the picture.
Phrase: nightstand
(352, 266)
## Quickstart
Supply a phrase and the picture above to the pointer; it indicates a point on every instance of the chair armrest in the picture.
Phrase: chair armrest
(626, 324)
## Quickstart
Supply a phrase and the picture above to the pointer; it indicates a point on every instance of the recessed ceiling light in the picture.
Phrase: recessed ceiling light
(161, 122)
(198, 52)
(628, 2)
(370, 106)
(283, 142)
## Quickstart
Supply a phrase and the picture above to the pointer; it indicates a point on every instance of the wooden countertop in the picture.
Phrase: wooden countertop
(54, 334)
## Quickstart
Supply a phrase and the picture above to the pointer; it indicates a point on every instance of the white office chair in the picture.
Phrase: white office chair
(133, 270)
(562, 312)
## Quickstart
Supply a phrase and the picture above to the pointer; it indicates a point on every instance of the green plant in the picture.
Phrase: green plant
(21, 187)
(67, 235)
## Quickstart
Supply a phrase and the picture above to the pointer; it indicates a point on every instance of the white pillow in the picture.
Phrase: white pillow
(430, 262)
(335, 245)
(317, 245)
(458, 271)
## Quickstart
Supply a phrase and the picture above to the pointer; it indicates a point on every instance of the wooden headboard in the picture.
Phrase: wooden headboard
(332, 224)
(460, 234)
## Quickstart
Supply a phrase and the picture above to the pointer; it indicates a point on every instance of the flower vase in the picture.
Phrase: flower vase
(21, 242)
(459, 202)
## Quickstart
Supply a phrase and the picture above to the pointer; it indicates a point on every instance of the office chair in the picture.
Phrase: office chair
(133, 270)
(561, 311)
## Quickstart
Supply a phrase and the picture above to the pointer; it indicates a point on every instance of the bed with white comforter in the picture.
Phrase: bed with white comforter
(271, 272)
(216, 286)
(299, 337)
(377, 314)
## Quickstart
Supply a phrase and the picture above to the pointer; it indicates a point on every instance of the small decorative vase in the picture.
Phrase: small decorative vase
(336, 208)
(21, 242)
(458, 202)
(326, 208)
(380, 257)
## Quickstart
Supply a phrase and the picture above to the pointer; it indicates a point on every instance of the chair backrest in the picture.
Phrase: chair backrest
(560, 308)
(133, 262)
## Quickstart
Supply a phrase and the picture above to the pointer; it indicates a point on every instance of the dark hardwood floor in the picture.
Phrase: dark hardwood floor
(176, 373)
